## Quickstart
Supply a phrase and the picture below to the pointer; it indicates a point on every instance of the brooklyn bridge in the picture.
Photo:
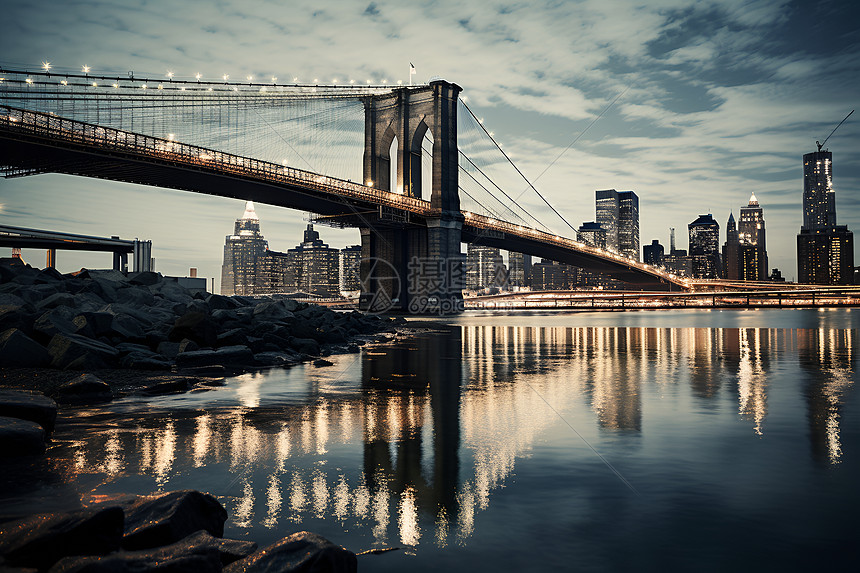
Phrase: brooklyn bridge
(425, 163)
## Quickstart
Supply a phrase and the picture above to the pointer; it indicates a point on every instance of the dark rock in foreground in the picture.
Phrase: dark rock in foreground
(168, 518)
(85, 389)
(302, 551)
(29, 405)
(40, 540)
(20, 437)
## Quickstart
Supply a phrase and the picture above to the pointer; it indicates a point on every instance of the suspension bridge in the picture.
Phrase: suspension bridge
(427, 171)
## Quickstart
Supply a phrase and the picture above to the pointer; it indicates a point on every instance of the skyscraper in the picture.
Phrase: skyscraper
(825, 250)
(730, 250)
(350, 277)
(593, 234)
(751, 232)
(314, 267)
(653, 253)
(519, 269)
(242, 251)
(705, 247)
(484, 267)
(618, 213)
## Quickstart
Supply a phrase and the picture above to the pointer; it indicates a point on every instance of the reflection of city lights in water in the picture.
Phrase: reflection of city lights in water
(442, 528)
(361, 500)
(298, 499)
(840, 381)
(466, 517)
(407, 520)
(379, 508)
(282, 448)
(273, 502)
(245, 508)
(341, 498)
(321, 423)
(319, 489)
(752, 396)
(113, 461)
(202, 437)
(165, 449)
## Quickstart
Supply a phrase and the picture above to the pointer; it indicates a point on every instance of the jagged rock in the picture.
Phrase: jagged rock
(36, 293)
(305, 346)
(151, 521)
(76, 352)
(196, 358)
(55, 321)
(18, 349)
(99, 323)
(127, 327)
(197, 552)
(273, 311)
(40, 540)
(51, 274)
(167, 387)
(196, 326)
(232, 337)
(320, 362)
(273, 359)
(146, 278)
(16, 317)
(303, 551)
(20, 438)
(28, 405)
(186, 345)
(129, 347)
(85, 389)
(168, 349)
(55, 300)
(135, 296)
(218, 302)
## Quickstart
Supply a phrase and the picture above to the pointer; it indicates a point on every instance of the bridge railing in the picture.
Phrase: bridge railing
(491, 224)
(43, 125)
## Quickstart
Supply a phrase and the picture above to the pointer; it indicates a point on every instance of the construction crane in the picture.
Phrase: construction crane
(820, 145)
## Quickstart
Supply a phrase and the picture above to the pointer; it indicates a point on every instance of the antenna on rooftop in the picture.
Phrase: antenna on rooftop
(820, 145)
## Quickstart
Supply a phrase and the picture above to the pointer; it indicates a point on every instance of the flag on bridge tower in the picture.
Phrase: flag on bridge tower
(411, 72)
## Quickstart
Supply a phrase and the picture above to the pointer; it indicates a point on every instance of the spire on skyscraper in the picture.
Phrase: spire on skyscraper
(753, 201)
(249, 211)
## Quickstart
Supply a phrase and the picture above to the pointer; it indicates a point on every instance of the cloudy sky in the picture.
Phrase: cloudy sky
(718, 99)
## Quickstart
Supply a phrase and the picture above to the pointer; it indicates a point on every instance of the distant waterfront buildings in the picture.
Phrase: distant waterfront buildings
(313, 266)
(705, 247)
(653, 254)
(731, 247)
(242, 250)
(519, 269)
(825, 250)
(752, 238)
(350, 276)
(485, 268)
(592, 233)
(618, 213)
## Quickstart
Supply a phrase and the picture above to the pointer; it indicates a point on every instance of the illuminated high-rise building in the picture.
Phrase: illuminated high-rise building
(242, 252)
(705, 247)
(825, 250)
(314, 266)
(751, 233)
(484, 268)
(519, 269)
(350, 277)
(730, 250)
(618, 213)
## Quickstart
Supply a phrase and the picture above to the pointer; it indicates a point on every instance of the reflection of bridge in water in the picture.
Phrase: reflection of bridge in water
(437, 424)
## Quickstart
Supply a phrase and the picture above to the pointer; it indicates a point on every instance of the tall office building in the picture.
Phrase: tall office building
(618, 213)
(350, 277)
(592, 233)
(242, 251)
(653, 253)
(484, 268)
(705, 247)
(751, 232)
(730, 250)
(825, 250)
(314, 267)
(519, 269)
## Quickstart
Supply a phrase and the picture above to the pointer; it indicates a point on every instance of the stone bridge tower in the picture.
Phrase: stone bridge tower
(391, 249)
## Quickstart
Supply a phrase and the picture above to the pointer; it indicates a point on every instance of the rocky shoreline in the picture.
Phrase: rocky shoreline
(165, 532)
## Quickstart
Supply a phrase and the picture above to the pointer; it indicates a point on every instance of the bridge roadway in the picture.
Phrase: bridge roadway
(34, 142)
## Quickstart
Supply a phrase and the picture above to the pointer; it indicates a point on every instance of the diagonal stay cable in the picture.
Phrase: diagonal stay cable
(517, 169)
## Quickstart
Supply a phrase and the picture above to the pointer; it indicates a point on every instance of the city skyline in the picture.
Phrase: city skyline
(717, 101)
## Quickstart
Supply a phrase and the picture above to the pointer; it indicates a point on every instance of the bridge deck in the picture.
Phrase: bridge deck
(34, 142)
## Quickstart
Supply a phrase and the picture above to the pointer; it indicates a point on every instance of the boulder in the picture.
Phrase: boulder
(272, 311)
(197, 552)
(40, 540)
(146, 278)
(302, 551)
(168, 349)
(216, 302)
(75, 352)
(28, 405)
(20, 438)
(85, 389)
(232, 337)
(53, 322)
(305, 346)
(320, 362)
(139, 361)
(99, 323)
(196, 326)
(18, 349)
(196, 358)
(175, 386)
(55, 300)
(151, 521)
(135, 296)
(127, 327)
(36, 293)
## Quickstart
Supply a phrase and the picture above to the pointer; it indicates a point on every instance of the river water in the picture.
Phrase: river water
(674, 440)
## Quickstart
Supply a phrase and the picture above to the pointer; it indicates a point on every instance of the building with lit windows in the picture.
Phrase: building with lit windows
(825, 250)
(350, 275)
(617, 212)
(592, 233)
(653, 254)
(242, 252)
(485, 268)
(751, 234)
(519, 269)
(314, 267)
(730, 250)
(705, 247)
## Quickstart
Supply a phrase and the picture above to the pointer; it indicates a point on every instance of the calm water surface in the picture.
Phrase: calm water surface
(679, 440)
